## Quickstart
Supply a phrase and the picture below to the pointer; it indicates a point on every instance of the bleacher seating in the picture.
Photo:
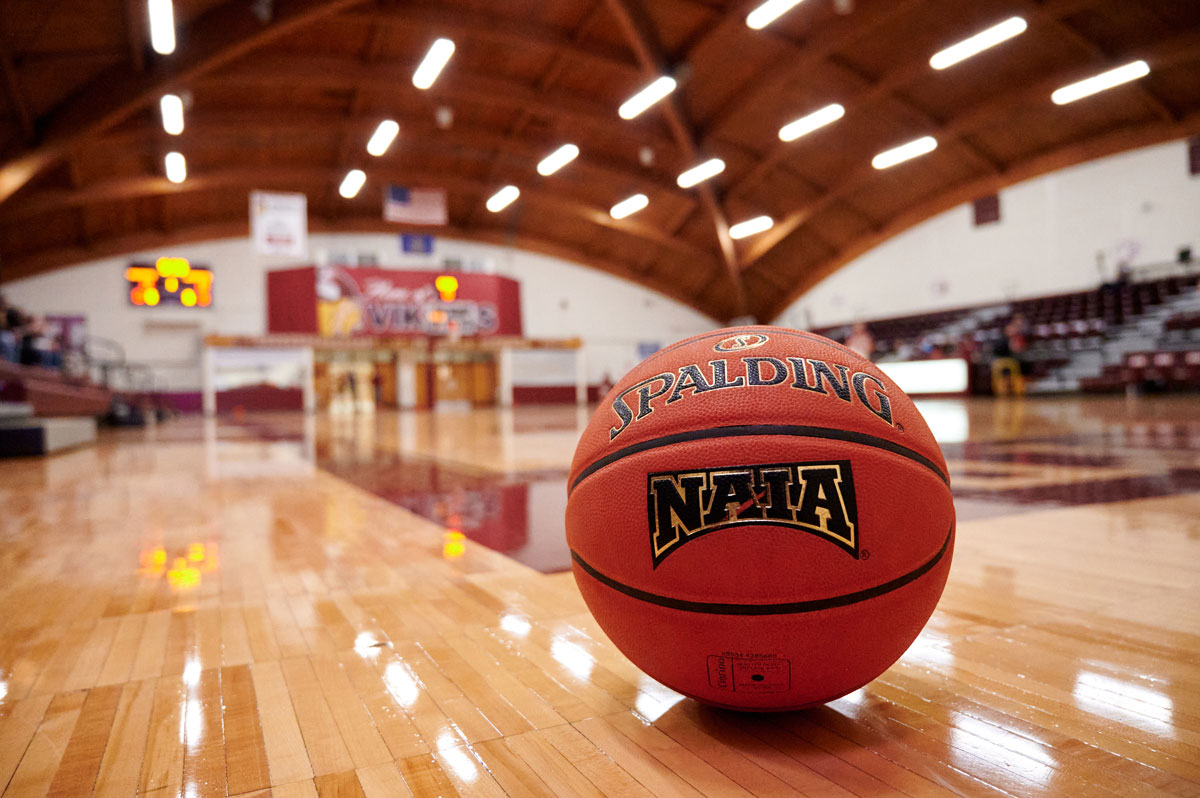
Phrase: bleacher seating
(50, 393)
(1057, 328)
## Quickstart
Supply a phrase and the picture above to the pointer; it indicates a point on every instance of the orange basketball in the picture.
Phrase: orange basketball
(759, 518)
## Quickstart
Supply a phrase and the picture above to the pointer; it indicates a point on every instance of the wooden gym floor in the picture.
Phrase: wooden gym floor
(286, 607)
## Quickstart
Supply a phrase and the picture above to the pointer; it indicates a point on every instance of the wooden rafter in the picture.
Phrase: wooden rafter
(485, 90)
(1177, 49)
(886, 87)
(840, 33)
(221, 131)
(1043, 15)
(135, 32)
(645, 46)
(12, 90)
(224, 34)
(545, 81)
(502, 30)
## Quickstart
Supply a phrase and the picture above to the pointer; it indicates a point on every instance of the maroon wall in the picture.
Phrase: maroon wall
(291, 301)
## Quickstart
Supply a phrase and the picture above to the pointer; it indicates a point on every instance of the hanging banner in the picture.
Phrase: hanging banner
(341, 301)
(279, 223)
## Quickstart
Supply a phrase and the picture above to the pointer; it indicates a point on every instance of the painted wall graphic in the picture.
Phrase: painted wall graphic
(341, 301)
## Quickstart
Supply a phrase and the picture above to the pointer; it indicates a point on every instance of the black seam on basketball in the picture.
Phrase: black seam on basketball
(786, 608)
(744, 430)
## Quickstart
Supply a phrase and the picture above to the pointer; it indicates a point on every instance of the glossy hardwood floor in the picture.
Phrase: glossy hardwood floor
(256, 608)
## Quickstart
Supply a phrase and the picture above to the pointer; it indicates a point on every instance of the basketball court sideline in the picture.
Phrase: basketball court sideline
(216, 607)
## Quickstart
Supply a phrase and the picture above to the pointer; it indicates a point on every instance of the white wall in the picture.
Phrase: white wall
(558, 300)
(1061, 232)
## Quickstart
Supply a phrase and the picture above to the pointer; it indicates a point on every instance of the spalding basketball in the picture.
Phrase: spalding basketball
(759, 518)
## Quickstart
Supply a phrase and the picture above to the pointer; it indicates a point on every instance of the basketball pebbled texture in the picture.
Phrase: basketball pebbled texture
(759, 518)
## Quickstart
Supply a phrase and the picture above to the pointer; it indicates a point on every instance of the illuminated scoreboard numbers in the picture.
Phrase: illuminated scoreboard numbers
(171, 281)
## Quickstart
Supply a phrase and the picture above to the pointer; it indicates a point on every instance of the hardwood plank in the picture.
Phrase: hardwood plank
(122, 762)
(287, 758)
(245, 749)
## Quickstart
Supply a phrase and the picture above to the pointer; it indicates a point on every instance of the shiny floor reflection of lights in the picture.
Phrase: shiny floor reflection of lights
(352, 606)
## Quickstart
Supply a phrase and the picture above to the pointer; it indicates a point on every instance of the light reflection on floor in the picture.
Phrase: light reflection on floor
(498, 477)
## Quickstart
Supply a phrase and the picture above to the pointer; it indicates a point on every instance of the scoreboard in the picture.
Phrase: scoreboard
(169, 281)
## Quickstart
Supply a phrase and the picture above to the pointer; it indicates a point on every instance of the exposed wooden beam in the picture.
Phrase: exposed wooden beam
(136, 31)
(1122, 139)
(12, 89)
(226, 130)
(461, 22)
(294, 177)
(485, 90)
(886, 87)
(646, 47)
(1180, 48)
(218, 37)
(1043, 15)
(839, 33)
(558, 65)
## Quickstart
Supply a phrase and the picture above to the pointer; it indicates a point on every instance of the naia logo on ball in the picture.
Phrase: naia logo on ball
(736, 343)
(817, 498)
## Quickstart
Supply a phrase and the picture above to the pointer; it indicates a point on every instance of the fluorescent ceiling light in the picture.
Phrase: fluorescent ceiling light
(162, 26)
(978, 43)
(382, 138)
(658, 88)
(701, 172)
(176, 167)
(768, 12)
(904, 152)
(172, 113)
(1101, 82)
(557, 159)
(629, 206)
(352, 182)
(751, 226)
(807, 124)
(503, 198)
(431, 66)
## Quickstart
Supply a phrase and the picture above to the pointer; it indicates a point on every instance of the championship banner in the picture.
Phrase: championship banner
(341, 301)
(279, 223)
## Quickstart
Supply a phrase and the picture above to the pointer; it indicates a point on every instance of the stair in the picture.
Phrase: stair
(23, 435)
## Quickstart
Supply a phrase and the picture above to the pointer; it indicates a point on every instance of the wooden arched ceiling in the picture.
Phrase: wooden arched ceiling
(283, 94)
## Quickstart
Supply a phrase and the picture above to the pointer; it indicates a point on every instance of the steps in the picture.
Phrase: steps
(23, 435)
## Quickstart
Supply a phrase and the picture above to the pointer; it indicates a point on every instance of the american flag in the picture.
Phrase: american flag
(414, 205)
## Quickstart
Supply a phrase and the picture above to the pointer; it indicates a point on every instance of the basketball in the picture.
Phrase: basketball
(759, 518)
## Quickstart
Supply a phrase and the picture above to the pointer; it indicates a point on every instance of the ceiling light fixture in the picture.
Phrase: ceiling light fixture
(1101, 82)
(433, 62)
(162, 26)
(503, 198)
(172, 113)
(557, 159)
(629, 206)
(176, 167)
(658, 88)
(976, 44)
(701, 172)
(768, 12)
(751, 226)
(807, 124)
(383, 137)
(352, 183)
(904, 152)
